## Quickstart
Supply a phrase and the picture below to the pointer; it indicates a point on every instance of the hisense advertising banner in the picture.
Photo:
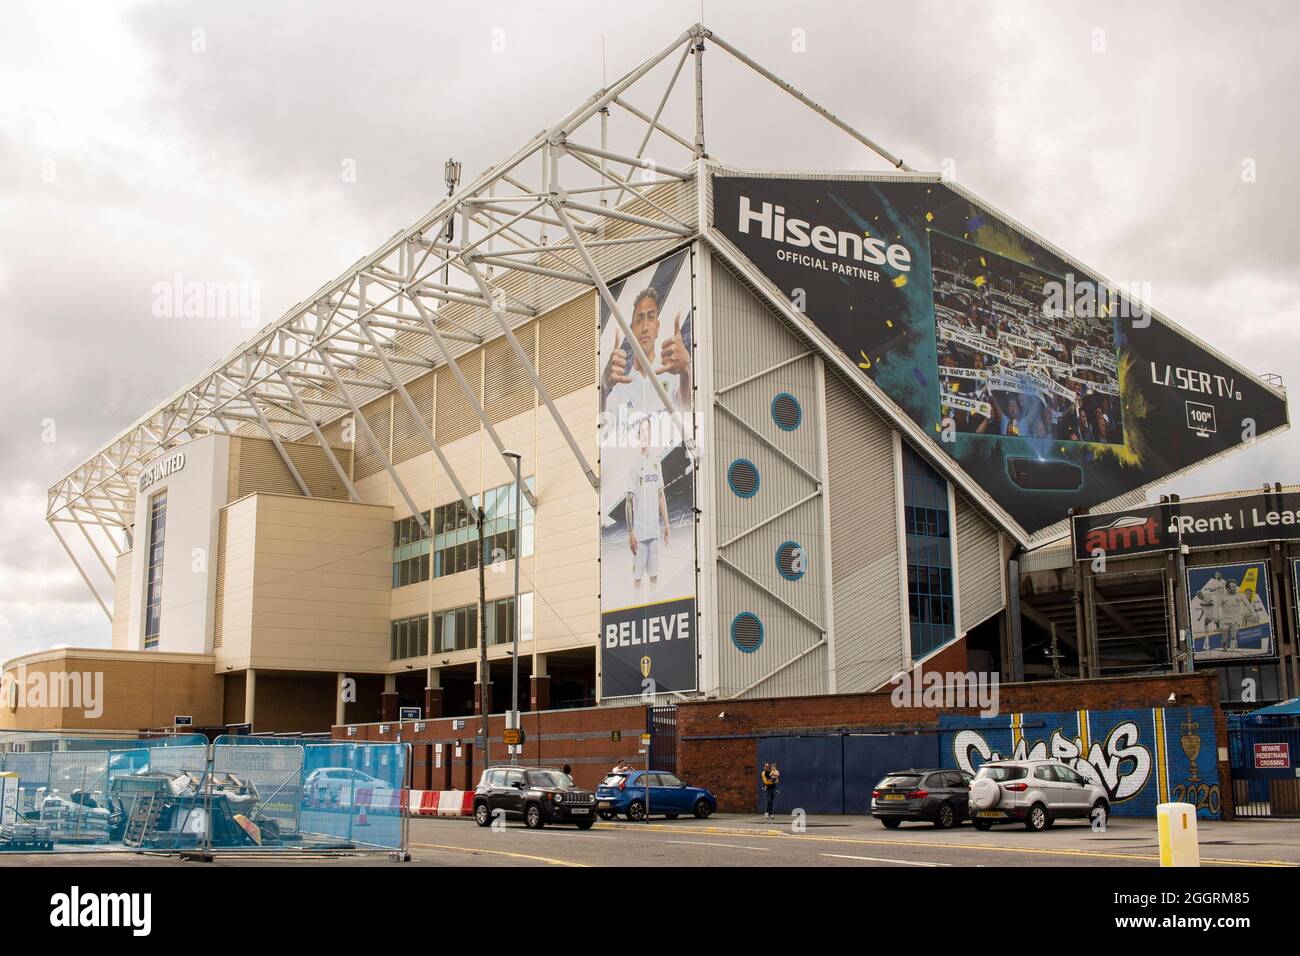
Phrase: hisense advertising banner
(1050, 388)
(1211, 522)
(647, 486)
(1230, 611)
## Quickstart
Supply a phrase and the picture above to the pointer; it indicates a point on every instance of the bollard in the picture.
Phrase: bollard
(1176, 825)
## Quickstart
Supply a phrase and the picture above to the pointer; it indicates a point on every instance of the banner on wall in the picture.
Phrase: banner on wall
(1230, 613)
(1140, 757)
(1049, 387)
(1210, 522)
(647, 487)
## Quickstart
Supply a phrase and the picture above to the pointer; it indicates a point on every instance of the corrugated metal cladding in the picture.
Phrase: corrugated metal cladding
(258, 467)
(507, 389)
(408, 438)
(453, 414)
(980, 569)
(756, 360)
(864, 501)
(219, 601)
(378, 415)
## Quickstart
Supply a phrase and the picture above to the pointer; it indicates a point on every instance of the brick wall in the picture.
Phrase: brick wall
(553, 738)
(718, 740)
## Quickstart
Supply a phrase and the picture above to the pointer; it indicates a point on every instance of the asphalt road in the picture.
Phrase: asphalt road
(747, 841)
(837, 841)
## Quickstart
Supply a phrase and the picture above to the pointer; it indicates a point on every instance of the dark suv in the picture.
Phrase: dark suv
(938, 796)
(536, 795)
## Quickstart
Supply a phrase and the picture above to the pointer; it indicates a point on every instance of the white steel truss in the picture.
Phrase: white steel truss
(531, 232)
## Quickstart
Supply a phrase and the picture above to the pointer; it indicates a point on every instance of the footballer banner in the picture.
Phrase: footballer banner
(1230, 613)
(1211, 522)
(1050, 388)
(647, 486)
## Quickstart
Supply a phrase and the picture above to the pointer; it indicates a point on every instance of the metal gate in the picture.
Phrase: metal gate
(1264, 763)
(661, 725)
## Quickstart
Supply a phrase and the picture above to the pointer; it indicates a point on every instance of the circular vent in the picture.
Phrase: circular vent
(747, 632)
(786, 412)
(791, 560)
(742, 476)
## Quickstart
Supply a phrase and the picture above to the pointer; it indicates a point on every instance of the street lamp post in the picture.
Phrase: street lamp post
(519, 534)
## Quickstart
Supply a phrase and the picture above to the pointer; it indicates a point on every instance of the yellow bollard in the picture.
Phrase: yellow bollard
(1176, 824)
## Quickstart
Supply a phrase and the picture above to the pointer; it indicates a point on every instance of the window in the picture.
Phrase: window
(457, 629)
(926, 525)
(409, 637)
(410, 552)
(455, 532)
(153, 580)
(668, 780)
(1045, 773)
(1001, 772)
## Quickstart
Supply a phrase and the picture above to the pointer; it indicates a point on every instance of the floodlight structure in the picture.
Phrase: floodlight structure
(472, 268)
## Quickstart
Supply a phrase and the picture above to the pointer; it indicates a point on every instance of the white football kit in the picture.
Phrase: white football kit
(644, 487)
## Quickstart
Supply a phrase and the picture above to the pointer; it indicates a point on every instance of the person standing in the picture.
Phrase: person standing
(771, 779)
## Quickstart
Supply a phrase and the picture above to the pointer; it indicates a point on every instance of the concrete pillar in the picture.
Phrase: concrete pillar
(390, 683)
(340, 714)
(250, 695)
(540, 685)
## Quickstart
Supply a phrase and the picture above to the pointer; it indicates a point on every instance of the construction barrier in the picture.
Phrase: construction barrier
(441, 803)
(62, 793)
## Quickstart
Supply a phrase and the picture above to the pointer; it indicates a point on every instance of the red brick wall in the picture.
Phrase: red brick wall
(579, 737)
(721, 752)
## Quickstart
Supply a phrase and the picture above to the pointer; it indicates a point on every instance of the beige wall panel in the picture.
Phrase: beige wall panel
(121, 597)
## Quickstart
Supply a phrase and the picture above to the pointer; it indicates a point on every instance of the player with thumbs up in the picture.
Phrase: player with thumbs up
(624, 384)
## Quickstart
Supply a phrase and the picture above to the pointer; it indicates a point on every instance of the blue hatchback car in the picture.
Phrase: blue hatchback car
(625, 793)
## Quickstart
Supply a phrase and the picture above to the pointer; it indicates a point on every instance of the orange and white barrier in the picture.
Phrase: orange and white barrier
(440, 803)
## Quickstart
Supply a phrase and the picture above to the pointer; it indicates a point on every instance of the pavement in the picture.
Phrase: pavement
(747, 840)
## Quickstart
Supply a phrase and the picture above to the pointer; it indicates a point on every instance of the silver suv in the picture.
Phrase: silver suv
(1035, 792)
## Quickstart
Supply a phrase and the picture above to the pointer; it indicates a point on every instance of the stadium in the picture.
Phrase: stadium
(727, 471)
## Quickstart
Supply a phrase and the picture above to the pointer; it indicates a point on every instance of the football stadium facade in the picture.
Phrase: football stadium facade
(781, 434)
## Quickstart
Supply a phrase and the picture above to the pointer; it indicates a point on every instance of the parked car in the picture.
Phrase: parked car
(934, 796)
(625, 793)
(1034, 792)
(536, 795)
(342, 786)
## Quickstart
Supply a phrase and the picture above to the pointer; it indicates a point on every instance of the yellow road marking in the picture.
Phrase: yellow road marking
(1059, 851)
(521, 856)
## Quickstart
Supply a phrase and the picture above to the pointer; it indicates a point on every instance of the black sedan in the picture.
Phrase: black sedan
(536, 795)
(934, 796)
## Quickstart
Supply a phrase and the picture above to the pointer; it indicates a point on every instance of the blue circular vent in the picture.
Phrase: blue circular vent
(786, 412)
(743, 478)
(791, 560)
(747, 632)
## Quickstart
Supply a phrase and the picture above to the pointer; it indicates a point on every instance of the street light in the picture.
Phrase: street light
(519, 534)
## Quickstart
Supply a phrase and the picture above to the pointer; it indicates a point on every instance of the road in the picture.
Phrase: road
(838, 841)
(747, 841)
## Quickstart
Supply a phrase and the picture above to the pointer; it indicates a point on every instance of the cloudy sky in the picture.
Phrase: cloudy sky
(141, 141)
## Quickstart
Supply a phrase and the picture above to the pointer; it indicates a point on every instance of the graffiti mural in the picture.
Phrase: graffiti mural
(1141, 757)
